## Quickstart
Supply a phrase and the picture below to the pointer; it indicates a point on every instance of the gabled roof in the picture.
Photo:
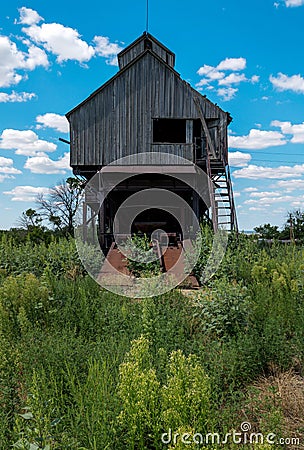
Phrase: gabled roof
(118, 74)
(134, 61)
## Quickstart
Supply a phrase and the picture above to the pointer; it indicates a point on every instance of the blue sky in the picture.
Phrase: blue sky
(246, 56)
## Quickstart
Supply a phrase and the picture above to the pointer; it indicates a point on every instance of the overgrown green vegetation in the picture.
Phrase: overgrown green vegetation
(83, 369)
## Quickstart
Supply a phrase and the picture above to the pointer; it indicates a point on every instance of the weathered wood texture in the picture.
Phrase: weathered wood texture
(147, 41)
(117, 120)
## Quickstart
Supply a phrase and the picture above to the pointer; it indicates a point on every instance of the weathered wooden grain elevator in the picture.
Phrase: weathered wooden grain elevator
(147, 107)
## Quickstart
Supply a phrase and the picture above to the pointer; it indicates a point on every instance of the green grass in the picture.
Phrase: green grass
(82, 368)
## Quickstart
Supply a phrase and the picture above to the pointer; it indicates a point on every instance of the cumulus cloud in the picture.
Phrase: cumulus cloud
(266, 194)
(16, 97)
(294, 3)
(257, 139)
(26, 193)
(233, 64)
(219, 76)
(12, 61)
(250, 189)
(227, 93)
(64, 42)
(284, 82)
(6, 167)
(46, 165)
(233, 78)
(290, 185)
(25, 142)
(28, 16)
(210, 72)
(238, 159)
(52, 120)
(255, 208)
(107, 49)
(296, 130)
(5, 177)
(254, 172)
(269, 200)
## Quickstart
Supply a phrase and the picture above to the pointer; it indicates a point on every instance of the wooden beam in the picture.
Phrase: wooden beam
(205, 127)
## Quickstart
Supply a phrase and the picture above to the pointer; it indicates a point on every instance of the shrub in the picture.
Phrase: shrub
(139, 392)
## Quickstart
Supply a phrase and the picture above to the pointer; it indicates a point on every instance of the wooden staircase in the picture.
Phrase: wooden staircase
(219, 180)
(222, 201)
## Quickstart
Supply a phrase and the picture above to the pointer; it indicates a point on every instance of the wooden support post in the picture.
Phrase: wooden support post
(204, 125)
(84, 221)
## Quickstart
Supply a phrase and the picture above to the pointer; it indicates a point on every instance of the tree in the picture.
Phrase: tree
(29, 219)
(268, 231)
(294, 225)
(59, 207)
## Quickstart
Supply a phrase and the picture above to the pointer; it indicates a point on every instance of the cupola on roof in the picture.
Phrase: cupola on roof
(144, 43)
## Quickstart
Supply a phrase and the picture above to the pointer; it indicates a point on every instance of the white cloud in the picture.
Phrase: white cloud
(107, 49)
(233, 64)
(13, 60)
(227, 93)
(283, 82)
(25, 142)
(255, 208)
(26, 193)
(250, 189)
(52, 120)
(294, 3)
(35, 57)
(238, 159)
(255, 79)
(290, 185)
(297, 130)
(254, 172)
(45, 165)
(5, 177)
(64, 42)
(233, 78)
(219, 76)
(6, 166)
(211, 72)
(257, 139)
(28, 16)
(16, 97)
(270, 200)
(266, 194)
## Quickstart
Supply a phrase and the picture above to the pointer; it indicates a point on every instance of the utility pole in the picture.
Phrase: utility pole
(291, 228)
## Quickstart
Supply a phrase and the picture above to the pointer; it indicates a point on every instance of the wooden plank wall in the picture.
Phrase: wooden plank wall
(118, 120)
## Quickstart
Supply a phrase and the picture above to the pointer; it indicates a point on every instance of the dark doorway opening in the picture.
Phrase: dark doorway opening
(153, 219)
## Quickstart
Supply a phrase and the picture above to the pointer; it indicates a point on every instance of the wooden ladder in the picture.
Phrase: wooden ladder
(219, 182)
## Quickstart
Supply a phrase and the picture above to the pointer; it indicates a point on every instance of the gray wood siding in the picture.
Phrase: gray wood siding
(131, 54)
(117, 121)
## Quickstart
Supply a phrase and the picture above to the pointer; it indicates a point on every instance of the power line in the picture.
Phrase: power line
(271, 153)
(279, 161)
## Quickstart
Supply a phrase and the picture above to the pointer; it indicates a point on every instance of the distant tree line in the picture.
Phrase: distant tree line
(292, 230)
(56, 212)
